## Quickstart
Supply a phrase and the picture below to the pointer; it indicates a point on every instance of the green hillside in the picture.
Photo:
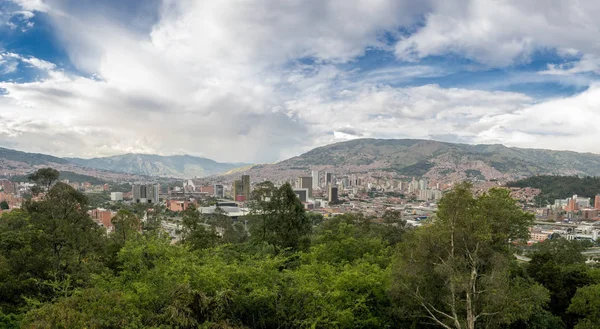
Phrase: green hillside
(560, 187)
(416, 157)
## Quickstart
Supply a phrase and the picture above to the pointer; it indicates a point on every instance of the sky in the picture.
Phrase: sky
(264, 80)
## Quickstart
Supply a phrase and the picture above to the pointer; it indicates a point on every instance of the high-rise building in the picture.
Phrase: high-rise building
(145, 193)
(305, 182)
(246, 186)
(328, 178)
(219, 192)
(236, 189)
(302, 194)
(333, 193)
(423, 184)
(315, 179)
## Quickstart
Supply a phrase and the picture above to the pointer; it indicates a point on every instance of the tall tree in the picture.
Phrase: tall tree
(559, 266)
(126, 225)
(49, 247)
(279, 219)
(586, 305)
(195, 232)
(44, 178)
(457, 269)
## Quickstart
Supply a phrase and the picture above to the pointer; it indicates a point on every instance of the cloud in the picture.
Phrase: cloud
(263, 80)
(501, 33)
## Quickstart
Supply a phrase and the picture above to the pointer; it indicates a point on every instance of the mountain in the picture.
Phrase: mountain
(179, 166)
(17, 163)
(433, 159)
(7, 156)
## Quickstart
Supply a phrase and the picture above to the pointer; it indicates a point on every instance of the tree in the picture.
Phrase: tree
(4, 205)
(279, 219)
(44, 178)
(126, 225)
(394, 226)
(458, 270)
(586, 304)
(48, 248)
(195, 232)
(560, 267)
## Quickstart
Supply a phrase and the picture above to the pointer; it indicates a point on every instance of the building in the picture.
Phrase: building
(116, 196)
(103, 217)
(302, 194)
(328, 178)
(597, 201)
(246, 186)
(333, 194)
(589, 213)
(210, 190)
(219, 192)
(236, 189)
(8, 186)
(179, 205)
(423, 184)
(145, 193)
(305, 182)
(315, 179)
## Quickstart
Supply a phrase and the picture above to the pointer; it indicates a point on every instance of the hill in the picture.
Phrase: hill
(18, 163)
(179, 166)
(560, 187)
(12, 159)
(71, 176)
(437, 160)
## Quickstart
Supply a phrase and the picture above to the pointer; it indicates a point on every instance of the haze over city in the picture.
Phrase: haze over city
(261, 81)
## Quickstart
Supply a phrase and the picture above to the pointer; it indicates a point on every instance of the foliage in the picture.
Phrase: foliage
(59, 269)
(278, 218)
(560, 267)
(4, 205)
(458, 270)
(96, 200)
(44, 178)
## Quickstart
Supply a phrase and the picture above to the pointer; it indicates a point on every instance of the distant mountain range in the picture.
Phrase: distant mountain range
(403, 157)
(178, 166)
(121, 167)
(433, 159)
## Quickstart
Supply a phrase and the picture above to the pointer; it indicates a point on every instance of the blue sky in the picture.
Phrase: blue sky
(263, 80)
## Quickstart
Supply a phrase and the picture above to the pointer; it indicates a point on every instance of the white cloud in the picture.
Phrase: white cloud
(260, 80)
(500, 33)
(563, 124)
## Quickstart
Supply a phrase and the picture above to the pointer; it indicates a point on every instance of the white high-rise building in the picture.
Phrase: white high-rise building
(423, 184)
(315, 179)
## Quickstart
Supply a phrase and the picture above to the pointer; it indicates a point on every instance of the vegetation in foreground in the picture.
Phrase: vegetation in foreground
(58, 269)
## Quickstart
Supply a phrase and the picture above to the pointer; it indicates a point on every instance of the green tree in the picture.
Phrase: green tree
(457, 271)
(586, 305)
(48, 248)
(279, 219)
(126, 225)
(4, 205)
(44, 178)
(197, 234)
(560, 267)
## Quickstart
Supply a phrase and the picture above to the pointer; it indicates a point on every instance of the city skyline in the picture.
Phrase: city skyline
(264, 80)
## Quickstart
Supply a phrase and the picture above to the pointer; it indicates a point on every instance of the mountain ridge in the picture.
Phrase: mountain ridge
(178, 166)
(435, 160)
